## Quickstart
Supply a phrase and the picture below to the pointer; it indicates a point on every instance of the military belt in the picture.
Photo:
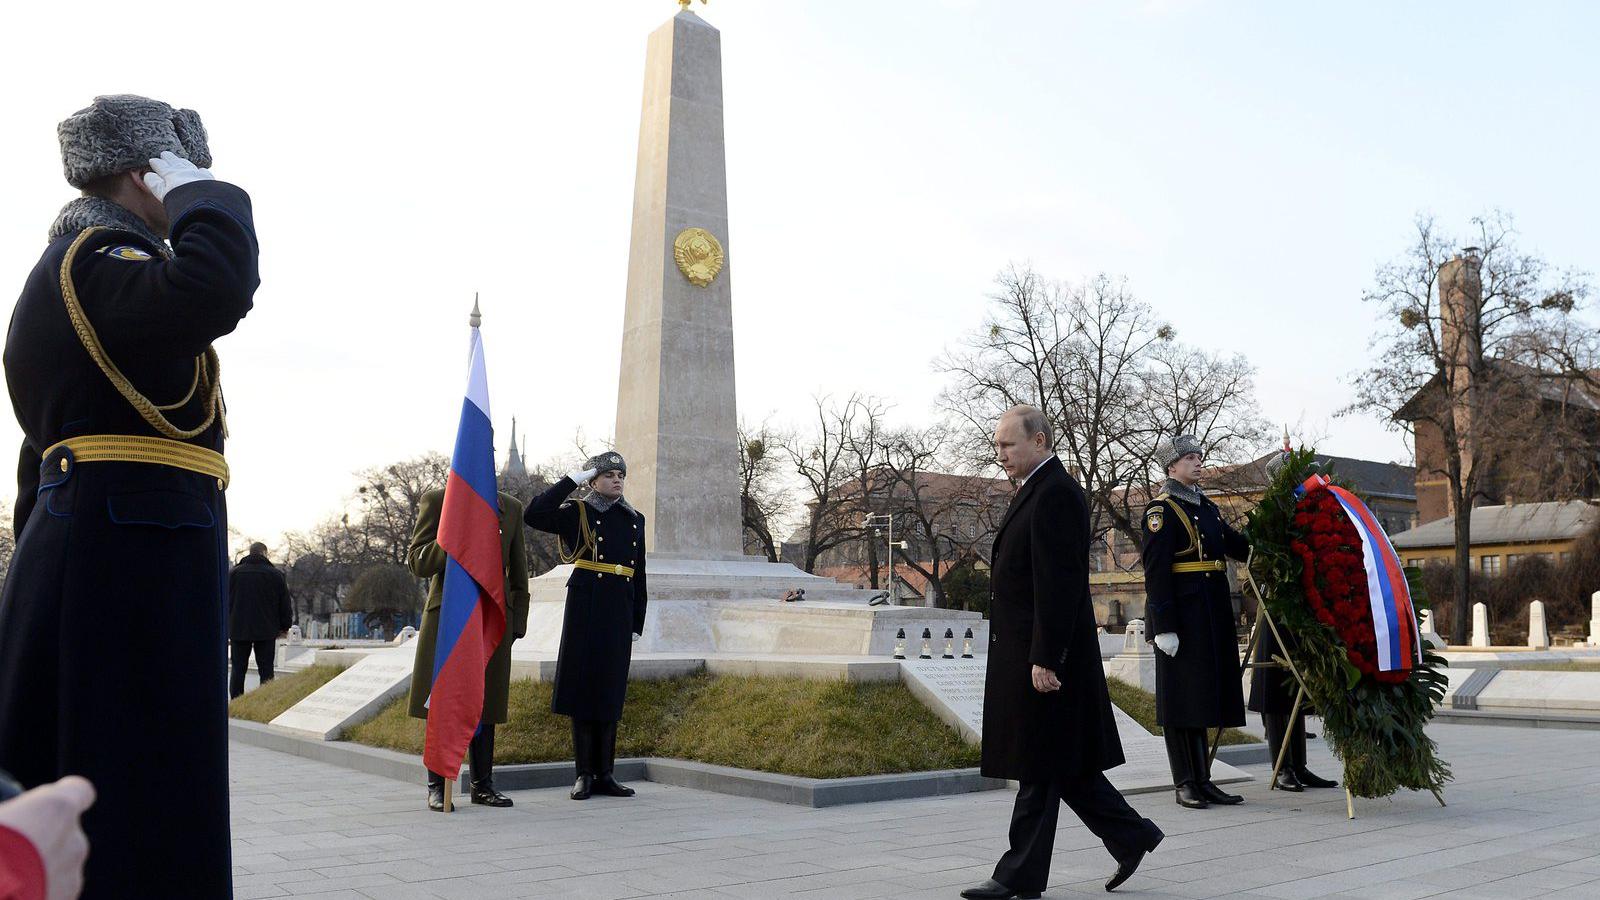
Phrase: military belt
(1205, 565)
(603, 568)
(137, 449)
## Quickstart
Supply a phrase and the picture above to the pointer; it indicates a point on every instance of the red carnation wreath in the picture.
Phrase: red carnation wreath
(1335, 580)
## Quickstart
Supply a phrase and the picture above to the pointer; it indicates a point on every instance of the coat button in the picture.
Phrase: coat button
(220, 484)
(63, 463)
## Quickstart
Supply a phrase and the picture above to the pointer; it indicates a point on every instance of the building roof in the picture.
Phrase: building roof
(1521, 523)
(1369, 477)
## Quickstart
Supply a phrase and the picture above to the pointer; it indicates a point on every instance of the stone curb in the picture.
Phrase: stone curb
(793, 790)
(1530, 719)
(1245, 755)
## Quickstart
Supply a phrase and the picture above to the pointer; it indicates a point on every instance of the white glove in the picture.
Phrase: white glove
(636, 635)
(1167, 643)
(172, 170)
(583, 477)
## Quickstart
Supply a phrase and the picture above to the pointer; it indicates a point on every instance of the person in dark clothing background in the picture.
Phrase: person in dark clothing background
(258, 613)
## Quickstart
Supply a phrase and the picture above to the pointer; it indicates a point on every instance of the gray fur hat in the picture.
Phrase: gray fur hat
(123, 132)
(606, 462)
(1177, 448)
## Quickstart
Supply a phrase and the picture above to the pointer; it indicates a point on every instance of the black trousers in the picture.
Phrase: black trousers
(480, 758)
(264, 651)
(1188, 754)
(1276, 726)
(1026, 866)
(594, 746)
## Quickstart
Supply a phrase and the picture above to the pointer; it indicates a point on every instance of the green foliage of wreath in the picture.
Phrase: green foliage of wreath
(1375, 730)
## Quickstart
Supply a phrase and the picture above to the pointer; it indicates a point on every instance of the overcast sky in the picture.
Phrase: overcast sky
(1244, 165)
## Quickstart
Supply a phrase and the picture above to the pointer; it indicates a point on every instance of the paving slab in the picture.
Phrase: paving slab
(1523, 821)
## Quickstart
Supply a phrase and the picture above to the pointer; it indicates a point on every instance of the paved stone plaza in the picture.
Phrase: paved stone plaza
(1523, 821)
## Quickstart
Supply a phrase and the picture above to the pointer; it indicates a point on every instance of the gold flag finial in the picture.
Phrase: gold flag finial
(685, 4)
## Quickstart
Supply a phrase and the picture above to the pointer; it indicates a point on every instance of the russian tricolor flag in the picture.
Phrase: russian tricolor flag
(1394, 618)
(472, 617)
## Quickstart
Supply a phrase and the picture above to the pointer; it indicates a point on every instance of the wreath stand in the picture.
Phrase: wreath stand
(1277, 662)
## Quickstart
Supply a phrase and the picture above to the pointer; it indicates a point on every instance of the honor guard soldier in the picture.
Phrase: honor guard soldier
(1272, 693)
(602, 536)
(121, 528)
(1189, 610)
(426, 559)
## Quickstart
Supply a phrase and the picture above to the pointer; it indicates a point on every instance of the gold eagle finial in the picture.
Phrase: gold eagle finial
(685, 4)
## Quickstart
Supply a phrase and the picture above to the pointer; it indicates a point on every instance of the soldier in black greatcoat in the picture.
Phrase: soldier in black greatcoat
(1189, 611)
(1047, 720)
(112, 639)
(1272, 691)
(603, 537)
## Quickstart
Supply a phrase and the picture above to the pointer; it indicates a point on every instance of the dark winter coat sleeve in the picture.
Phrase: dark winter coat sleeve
(549, 512)
(179, 305)
(27, 488)
(1060, 574)
(640, 595)
(1236, 545)
(1160, 545)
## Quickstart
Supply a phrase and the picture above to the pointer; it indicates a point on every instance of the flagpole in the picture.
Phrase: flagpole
(475, 319)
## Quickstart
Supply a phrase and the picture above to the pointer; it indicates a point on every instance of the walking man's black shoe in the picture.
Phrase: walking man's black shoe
(1217, 795)
(1125, 869)
(994, 890)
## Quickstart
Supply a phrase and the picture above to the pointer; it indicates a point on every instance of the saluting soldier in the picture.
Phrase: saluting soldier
(1272, 692)
(1188, 610)
(603, 537)
(121, 525)
(426, 559)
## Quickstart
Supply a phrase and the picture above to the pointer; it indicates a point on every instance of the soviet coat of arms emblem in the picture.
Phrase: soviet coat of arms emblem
(698, 254)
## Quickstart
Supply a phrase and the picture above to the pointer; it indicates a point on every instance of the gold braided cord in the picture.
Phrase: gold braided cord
(585, 539)
(603, 568)
(140, 449)
(199, 366)
(147, 410)
(1205, 565)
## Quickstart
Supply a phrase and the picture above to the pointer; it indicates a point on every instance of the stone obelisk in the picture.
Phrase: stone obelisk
(676, 422)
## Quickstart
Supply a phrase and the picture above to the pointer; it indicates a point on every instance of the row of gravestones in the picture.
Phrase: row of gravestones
(1538, 629)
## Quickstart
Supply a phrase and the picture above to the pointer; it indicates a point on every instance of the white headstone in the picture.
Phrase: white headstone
(1430, 635)
(295, 636)
(1538, 634)
(353, 696)
(406, 634)
(1133, 640)
(1480, 625)
(1594, 620)
(1136, 664)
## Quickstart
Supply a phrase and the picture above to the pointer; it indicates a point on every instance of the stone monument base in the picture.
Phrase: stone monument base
(734, 605)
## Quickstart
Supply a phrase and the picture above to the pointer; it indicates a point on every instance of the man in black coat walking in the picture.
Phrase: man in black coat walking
(1190, 613)
(1056, 741)
(258, 612)
(121, 524)
(602, 535)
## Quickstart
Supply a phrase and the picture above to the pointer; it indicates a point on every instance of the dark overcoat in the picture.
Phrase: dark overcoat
(258, 601)
(426, 560)
(1272, 689)
(112, 621)
(1040, 614)
(604, 610)
(1201, 686)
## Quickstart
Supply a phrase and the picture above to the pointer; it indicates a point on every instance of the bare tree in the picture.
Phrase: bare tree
(389, 497)
(1474, 349)
(763, 502)
(1113, 380)
(825, 459)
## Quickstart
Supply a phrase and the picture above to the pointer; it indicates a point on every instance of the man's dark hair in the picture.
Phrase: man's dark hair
(258, 548)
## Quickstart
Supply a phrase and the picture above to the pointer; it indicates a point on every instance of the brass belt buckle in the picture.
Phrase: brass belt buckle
(619, 569)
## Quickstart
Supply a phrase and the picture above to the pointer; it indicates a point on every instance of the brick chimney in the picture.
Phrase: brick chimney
(1461, 340)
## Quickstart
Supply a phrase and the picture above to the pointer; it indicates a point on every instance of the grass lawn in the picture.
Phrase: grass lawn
(1141, 705)
(1566, 665)
(265, 702)
(817, 729)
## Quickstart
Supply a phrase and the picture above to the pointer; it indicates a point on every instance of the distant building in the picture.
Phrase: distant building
(1503, 535)
(515, 468)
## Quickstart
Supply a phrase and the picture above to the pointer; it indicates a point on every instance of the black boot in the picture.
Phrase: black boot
(1297, 750)
(480, 754)
(604, 782)
(435, 791)
(1276, 724)
(583, 754)
(1200, 753)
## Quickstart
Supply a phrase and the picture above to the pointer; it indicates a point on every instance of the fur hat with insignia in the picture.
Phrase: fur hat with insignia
(608, 461)
(123, 132)
(1177, 448)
